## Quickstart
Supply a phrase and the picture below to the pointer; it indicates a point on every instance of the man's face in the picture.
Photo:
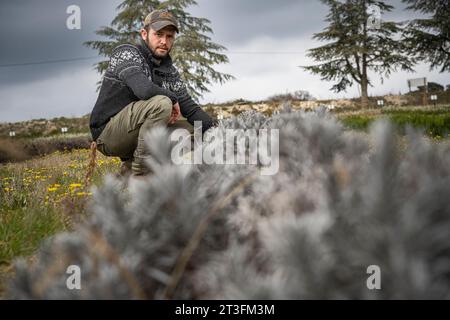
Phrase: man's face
(160, 42)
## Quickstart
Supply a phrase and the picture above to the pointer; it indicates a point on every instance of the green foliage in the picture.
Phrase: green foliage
(194, 54)
(43, 196)
(354, 47)
(358, 122)
(22, 229)
(435, 123)
(432, 87)
(429, 38)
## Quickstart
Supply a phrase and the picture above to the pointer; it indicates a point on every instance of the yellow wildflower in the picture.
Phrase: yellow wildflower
(75, 185)
(52, 189)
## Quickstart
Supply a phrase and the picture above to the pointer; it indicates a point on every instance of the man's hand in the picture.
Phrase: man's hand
(175, 113)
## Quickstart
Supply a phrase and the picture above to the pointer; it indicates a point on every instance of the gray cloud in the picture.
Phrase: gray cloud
(236, 22)
(36, 31)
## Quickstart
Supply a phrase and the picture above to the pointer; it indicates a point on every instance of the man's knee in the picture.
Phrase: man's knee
(161, 105)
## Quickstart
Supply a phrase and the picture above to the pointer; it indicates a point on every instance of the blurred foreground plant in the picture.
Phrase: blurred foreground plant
(338, 204)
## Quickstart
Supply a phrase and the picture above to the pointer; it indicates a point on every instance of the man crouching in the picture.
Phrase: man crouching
(142, 89)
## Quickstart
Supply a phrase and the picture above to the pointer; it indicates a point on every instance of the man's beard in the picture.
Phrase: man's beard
(155, 53)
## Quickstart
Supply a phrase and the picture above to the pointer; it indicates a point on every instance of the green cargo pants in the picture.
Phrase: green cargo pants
(124, 134)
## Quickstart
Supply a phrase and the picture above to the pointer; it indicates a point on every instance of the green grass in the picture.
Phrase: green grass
(435, 123)
(41, 197)
(358, 122)
(22, 230)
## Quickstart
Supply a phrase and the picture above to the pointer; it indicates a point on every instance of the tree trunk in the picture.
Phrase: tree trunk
(364, 94)
(364, 83)
(364, 79)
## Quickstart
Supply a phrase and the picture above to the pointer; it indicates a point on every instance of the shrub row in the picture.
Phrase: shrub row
(23, 149)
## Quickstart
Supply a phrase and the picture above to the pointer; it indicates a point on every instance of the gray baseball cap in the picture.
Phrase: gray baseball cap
(158, 19)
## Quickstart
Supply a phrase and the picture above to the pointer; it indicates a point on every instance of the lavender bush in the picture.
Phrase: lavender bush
(340, 202)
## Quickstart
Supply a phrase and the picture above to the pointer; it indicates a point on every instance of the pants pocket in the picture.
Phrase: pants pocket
(101, 147)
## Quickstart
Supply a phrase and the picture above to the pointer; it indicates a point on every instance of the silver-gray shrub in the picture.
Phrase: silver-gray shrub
(341, 201)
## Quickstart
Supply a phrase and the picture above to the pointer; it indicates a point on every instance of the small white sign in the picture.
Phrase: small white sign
(12, 134)
(433, 97)
(64, 129)
(417, 82)
(380, 103)
(220, 116)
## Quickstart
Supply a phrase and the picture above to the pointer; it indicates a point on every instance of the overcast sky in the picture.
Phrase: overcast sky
(251, 30)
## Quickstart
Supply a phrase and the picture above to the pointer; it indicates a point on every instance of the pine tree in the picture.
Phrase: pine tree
(429, 38)
(194, 54)
(360, 41)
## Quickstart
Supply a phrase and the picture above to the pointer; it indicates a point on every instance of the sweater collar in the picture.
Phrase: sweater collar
(150, 56)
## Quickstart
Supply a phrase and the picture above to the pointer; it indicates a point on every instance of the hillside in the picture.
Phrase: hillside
(49, 127)
(45, 127)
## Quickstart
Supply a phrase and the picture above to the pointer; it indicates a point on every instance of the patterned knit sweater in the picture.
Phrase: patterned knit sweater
(135, 74)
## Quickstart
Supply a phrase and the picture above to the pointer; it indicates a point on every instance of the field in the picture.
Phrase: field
(48, 194)
(41, 197)
(434, 121)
